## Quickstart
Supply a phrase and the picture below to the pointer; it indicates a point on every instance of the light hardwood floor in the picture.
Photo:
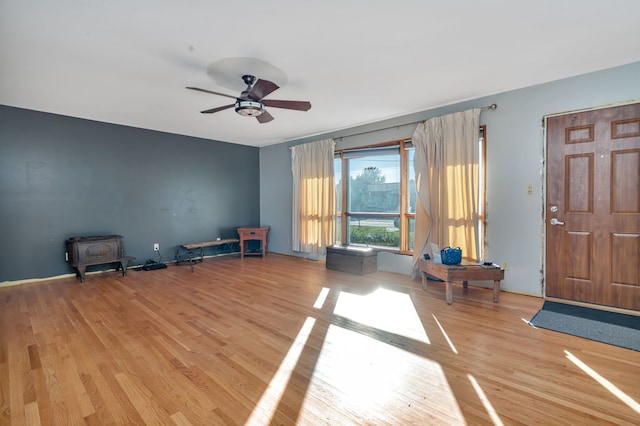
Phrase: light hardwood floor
(281, 340)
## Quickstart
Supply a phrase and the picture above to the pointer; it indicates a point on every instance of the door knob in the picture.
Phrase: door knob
(555, 221)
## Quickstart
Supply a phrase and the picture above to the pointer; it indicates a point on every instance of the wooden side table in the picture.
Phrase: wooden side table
(247, 234)
(462, 273)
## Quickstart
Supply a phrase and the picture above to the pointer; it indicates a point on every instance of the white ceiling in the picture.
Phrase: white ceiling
(128, 62)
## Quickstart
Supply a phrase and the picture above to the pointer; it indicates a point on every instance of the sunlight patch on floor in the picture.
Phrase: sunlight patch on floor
(264, 410)
(322, 297)
(446, 336)
(363, 377)
(604, 382)
(485, 401)
(383, 309)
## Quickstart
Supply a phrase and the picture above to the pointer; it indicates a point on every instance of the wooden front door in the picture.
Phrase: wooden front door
(592, 208)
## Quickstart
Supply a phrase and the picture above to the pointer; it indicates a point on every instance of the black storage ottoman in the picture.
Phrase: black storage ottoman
(352, 259)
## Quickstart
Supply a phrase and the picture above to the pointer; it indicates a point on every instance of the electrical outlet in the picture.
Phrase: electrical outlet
(156, 247)
(505, 265)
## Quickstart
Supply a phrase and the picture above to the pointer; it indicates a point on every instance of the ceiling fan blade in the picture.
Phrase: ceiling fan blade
(261, 89)
(213, 93)
(297, 105)
(265, 117)
(222, 108)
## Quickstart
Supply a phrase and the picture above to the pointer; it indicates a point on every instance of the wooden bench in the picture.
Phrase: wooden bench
(462, 273)
(194, 252)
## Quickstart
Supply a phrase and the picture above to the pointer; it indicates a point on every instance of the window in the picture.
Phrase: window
(482, 193)
(371, 187)
(376, 195)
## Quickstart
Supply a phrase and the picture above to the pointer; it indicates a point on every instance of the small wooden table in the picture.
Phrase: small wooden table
(462, 273)
(247, 234)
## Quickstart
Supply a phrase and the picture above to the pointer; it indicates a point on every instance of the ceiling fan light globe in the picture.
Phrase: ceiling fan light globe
(249, 108)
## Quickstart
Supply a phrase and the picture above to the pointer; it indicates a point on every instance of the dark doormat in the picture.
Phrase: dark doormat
(594, 324)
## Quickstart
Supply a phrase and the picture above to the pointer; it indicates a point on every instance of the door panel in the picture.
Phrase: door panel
(593, 193)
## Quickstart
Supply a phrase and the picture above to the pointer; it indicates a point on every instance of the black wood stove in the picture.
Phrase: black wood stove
(86, 251)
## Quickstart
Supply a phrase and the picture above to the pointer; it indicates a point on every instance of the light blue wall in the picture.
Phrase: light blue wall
(515, 154)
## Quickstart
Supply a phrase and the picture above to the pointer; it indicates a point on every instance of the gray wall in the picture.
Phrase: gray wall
(515, 159)
(62, 177)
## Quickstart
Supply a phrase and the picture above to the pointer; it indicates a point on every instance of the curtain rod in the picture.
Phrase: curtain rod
(486, 108)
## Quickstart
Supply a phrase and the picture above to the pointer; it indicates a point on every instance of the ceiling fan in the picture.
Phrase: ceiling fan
(250, 103)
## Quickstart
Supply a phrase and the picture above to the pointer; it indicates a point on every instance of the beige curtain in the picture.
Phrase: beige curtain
(446, 163)
(314, 197)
